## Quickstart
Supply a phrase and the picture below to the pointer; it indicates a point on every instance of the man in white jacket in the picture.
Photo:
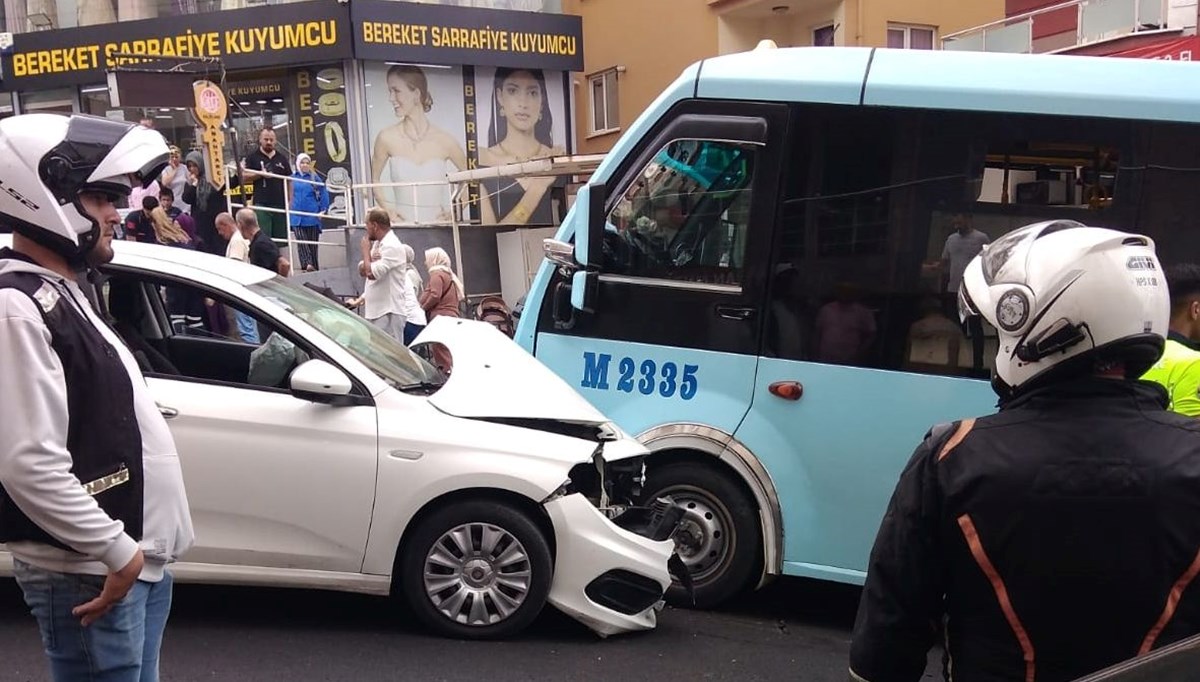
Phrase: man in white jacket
(92, 502)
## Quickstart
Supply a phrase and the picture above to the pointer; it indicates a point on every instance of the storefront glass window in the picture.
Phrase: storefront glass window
(257, 102)
(60, 100)
(6, 105)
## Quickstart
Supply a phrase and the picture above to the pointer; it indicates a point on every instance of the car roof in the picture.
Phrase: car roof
(174, 260)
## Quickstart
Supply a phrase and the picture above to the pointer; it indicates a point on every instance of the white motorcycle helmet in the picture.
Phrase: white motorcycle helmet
(47, 160)
(1064, 296)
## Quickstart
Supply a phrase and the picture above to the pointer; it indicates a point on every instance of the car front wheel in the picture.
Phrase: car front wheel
(477, 570)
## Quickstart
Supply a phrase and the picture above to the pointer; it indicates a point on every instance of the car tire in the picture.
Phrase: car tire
(718, 540)
(478, 569)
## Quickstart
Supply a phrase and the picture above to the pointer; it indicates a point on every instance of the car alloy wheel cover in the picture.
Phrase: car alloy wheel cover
(477, 574)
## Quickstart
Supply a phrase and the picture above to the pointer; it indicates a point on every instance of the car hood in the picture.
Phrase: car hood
(494, 378)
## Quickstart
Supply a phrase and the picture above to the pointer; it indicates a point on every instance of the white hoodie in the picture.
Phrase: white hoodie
(35, 466)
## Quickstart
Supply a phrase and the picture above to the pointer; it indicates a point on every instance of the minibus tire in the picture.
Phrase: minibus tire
(706, 490)
(515, 525)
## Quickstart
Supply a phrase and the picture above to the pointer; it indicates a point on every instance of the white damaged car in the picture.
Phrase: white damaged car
(326, 455)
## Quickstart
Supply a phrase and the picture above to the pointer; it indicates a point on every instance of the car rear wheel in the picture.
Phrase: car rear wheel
(477, 570)
(718, 539)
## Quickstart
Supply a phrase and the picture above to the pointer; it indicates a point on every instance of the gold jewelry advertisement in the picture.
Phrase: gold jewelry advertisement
(320, 127)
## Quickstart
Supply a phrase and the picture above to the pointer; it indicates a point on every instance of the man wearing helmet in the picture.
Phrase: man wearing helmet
(92, 504)
(1058, 536)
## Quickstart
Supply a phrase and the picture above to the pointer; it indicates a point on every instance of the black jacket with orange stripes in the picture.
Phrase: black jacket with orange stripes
(1049, 540)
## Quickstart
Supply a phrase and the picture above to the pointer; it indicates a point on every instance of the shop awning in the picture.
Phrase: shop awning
(1179, 49)
(583, 164)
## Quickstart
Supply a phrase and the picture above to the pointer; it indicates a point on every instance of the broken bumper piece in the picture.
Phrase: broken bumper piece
(608, 578)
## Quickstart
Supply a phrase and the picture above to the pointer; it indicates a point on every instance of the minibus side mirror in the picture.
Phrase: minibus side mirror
(589, 236)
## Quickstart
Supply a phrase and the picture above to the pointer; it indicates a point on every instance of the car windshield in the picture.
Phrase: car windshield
(370, 345)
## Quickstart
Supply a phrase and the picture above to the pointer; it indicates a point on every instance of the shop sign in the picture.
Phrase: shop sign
(271, 35)
(255, 89)
(442, 34)
(320, 124)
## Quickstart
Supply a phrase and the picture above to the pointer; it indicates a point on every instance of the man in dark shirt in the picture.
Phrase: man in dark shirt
(137, 224)
(268, 192)
(263, 252)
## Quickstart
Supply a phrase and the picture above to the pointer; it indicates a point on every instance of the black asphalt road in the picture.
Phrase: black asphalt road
(792, 630)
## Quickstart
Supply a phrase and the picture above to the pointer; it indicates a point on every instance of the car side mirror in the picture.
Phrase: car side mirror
(320, 382)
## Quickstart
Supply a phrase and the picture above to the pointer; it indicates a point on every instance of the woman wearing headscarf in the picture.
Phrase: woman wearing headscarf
(411, 271)
(309, 195)
(441, 297)
(206, 202)
(414, 315)
(445, 290)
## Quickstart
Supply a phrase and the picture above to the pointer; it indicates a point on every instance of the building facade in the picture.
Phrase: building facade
(635, 48)
(375, 91)
(1154, 29)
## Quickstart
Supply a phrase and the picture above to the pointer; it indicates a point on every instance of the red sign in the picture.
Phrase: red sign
(1178, 49)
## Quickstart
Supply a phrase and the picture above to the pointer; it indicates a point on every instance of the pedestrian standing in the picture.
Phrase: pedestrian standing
(268, 191)
(309, 195)
(92, 501)
(442, 296)
(382, 269)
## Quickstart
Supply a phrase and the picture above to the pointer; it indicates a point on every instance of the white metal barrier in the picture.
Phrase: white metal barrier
(291, 240)
(421, 197)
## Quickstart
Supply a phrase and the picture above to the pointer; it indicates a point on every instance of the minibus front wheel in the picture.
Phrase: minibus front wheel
(718, 539)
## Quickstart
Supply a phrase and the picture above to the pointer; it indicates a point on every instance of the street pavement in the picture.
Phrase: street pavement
(792, 630)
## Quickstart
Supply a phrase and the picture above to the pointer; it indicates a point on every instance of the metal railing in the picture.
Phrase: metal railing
(418, 191)
(1082, 22)
(291, 241)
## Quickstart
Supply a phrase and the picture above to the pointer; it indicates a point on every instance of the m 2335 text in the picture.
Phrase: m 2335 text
(668, 379)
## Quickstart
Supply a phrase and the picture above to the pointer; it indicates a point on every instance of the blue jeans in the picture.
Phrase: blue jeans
(122, 646)
(411, 332)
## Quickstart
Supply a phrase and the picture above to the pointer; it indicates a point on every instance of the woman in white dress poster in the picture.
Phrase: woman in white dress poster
(413, 150)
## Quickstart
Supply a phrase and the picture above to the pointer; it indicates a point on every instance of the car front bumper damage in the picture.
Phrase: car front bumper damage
(608, 578)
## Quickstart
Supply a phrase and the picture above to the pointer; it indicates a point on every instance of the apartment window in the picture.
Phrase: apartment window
(823, 36)
(905, 37)
(605, 115)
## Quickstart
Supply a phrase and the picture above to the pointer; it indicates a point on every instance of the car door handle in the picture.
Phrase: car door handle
(167, 412)
(735, 312)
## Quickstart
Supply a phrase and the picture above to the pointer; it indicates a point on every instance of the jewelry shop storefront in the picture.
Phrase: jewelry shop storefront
(374, 91)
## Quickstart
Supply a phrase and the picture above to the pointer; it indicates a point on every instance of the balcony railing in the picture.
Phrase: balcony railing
(1068, 24)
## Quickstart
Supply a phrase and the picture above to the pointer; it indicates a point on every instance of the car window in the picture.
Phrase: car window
(686, 216)
(391, 360)
(182, 331)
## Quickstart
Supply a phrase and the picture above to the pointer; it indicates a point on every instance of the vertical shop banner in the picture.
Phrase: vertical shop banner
(471, 131)
(415, 125)
(320, 125)
(522, 115)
